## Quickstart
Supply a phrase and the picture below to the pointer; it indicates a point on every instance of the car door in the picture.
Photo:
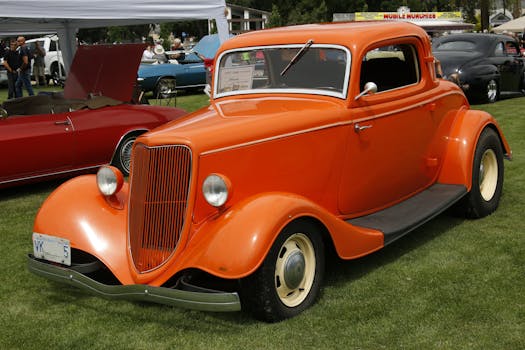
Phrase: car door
(510, 65)
(33, 145)
(388, 156)
(192, 74)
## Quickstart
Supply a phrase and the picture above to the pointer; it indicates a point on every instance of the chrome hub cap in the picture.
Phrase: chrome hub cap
(125, 155)
(295, 270)
(492, 90)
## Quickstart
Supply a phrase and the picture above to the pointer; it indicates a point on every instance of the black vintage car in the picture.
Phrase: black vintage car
(483, 65)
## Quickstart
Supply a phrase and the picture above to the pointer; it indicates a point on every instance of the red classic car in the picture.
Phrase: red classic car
(91, 123)
(320, 139)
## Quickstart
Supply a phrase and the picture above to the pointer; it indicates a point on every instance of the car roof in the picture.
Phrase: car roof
(349, 34)
(108, 70)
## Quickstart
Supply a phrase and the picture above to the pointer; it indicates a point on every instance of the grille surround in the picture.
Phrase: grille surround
(160, 184)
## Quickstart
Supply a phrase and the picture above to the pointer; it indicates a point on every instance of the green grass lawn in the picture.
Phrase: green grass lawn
(452, 284)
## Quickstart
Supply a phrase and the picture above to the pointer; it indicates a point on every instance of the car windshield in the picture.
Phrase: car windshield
(321, 70)
(458, 45)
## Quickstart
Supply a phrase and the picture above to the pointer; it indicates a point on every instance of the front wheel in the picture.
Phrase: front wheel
(122, 158)
(289, 280)
(487, 177)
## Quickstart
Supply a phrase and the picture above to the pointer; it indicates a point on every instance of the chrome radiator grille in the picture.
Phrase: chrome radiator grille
(160, 183)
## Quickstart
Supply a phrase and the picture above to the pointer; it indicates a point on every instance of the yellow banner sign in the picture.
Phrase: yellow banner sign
(411, 16)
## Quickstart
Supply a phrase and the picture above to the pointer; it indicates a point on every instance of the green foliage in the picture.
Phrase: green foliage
(308, 11)
(275, 19)
(197, 28)
(133, 33)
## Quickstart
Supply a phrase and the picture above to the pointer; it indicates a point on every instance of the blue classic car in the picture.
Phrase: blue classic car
(185, 73)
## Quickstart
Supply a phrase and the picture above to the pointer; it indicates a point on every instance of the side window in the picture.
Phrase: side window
(500, 50)
(511, 48)
(391, 67)
(53, 45)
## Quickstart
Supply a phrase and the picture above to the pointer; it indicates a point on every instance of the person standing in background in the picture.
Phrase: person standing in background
(24, 71)
(40, 65)
(11, 63)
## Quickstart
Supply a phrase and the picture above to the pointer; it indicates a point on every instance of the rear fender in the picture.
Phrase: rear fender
(78, 212)
(462, 141)
(235, 243)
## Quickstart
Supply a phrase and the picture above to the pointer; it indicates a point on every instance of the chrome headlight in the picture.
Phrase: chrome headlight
(216, 189)
(109, 180)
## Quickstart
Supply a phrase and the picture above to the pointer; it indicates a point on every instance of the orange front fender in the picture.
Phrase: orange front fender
(462, 141)
(235, 243)
(78, 212)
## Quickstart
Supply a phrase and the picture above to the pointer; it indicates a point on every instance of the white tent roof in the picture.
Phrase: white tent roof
(65, 17)
(515, 26)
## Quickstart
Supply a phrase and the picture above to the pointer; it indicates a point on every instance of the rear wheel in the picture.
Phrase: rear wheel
(289, 280)
(487, 177)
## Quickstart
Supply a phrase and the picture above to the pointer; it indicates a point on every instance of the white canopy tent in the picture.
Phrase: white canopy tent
(515, 26)
(65, 17)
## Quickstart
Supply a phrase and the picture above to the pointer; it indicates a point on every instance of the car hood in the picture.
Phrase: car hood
(454, 60)
(108, 70)
(237, 122)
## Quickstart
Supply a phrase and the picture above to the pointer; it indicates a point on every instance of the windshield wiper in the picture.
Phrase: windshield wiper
(298, 56)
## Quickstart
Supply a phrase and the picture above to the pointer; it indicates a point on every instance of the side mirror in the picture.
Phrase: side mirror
(3, 113)
(370, 88)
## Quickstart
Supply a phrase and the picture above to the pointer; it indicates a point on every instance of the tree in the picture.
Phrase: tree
(308, 11)
(469, 10)
(275, 19)
(516, 8)
(485, 10)
(132, 33)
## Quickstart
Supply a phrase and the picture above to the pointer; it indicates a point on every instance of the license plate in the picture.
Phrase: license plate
(52, 248)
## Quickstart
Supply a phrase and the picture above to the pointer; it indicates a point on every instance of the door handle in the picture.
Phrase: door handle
(359, 128)
(63, 122)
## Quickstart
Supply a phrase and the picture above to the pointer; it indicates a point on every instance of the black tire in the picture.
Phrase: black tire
(122, 158)
(290, 278)
(56, 78)
(165, 88)
(487, 177)
(491, 91)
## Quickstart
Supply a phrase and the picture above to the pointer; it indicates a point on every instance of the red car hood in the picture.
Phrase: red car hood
(108, 70)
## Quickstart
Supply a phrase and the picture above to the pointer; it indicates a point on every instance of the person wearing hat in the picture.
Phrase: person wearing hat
(160, 54)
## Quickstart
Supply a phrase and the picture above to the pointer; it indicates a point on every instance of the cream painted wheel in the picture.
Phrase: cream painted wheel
(488, 175)
(290, 277)
(295, 270)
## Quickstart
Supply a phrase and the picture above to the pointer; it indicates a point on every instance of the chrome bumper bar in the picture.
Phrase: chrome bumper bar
(210, 301)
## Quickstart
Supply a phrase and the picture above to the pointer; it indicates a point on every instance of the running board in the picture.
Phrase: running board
(408, 215)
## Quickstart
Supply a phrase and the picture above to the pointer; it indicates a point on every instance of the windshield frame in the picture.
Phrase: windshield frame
(342, 95)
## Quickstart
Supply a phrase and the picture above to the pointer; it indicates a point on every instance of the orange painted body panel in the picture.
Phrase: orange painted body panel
(461, 146)
(78, 212)
(288, 156)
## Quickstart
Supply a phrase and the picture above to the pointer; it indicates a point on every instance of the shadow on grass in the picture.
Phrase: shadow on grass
(340, 271)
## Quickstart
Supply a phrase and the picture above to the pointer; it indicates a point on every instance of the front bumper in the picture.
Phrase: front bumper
(203, 301)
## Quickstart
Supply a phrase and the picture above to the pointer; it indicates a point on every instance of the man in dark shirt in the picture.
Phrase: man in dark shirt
(24, 72)
(11, 63)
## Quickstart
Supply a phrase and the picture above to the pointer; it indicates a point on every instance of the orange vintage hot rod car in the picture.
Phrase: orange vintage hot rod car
(317, 136)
